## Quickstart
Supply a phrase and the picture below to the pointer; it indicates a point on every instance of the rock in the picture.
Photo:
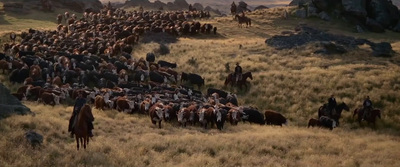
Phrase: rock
(324, 16)
(359, 29)
(242, 7)
(181, 4)
(260, 7)
(355, 7)
(325, 5)
(374, 26)
(35, 139)
(383, 49)
(198, 6)
(397, 27)
(10, 105)
(299, 2)
(79, 5)
(384, 12)
(302, 13)
(332, 48)
(312, 10)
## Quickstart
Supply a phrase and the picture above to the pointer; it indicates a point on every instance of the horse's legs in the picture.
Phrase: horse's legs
(84, 142)
(77, 142)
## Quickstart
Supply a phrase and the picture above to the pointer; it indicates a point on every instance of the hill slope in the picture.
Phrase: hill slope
(294, 82)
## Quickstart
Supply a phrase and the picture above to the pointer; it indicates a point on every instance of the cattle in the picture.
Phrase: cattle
(193, 79)
(156, 77)
(50, 98)
(19, 96)
(221, 93)
(234, 116)
(220, 117)
(19, 75)
(183, 116)
(274, 118)
(163, 63)
(231, 98)
(150, 57)
(99, 102)
(206, 115)
(327, 122)
(313, 122)
(5, 66)
(253, 116)
(125, 105)
(144, 106)
(156, 113)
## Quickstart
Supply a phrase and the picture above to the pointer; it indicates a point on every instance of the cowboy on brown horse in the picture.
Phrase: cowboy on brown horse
(238, 72)
(79, 103)
(367, 107)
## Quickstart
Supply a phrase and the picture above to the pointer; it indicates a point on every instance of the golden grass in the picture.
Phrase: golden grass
(294, 82)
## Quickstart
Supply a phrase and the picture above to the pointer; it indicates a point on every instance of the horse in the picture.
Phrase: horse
(81, 128)
(370, 118)
(231, 79)
(243, 19)
(322, 111)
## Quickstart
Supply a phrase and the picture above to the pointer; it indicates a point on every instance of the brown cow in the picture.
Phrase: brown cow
(50, 98)
(23, 89)
(144, 106)
(313, 122)
(183, 116)
(19, 96)
(125, 105)
(233, 116)
(274, 118)
(4, 65)
(28, 81)
(206, 115)
(57, 81)
(156, 113)
(35, 72)
(99, 102)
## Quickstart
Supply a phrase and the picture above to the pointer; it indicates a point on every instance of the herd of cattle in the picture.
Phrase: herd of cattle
(94, 51)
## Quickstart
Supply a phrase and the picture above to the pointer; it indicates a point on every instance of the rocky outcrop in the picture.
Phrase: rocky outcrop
(242, 7)
(330, 43)
(198, 6)
(35, 139)
(9, 104)
(260, 7)
(373, 14)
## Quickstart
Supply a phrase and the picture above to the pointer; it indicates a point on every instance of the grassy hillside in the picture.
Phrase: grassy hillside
(294, 82)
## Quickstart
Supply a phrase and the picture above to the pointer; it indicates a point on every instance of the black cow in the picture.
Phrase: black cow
(150, 57)
(2, 56)
(110, 76)
(253, 115)
(193, 79)
(232, 99)
(156, 77)
(220, 117)
(163, 63)
(221, 93)
(19, 76)
(327, 122)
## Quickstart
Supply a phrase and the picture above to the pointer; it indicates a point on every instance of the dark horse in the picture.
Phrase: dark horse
(231, 79)
(81, 129)
(322, 111)
(370, 118)
(243, 20)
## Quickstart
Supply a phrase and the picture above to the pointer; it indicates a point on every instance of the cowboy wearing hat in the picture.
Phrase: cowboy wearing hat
(238, 72)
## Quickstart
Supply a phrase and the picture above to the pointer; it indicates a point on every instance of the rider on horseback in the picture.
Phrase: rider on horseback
(367, 107)
(79, 103)
(331, 104)
(238, 72)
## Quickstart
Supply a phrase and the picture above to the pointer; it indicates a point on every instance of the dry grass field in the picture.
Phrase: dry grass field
(294, 82)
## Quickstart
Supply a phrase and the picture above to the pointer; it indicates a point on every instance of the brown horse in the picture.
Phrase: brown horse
(81, 128)
(370, 118)
(231, 79)
(322, 111)
(243, 20)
